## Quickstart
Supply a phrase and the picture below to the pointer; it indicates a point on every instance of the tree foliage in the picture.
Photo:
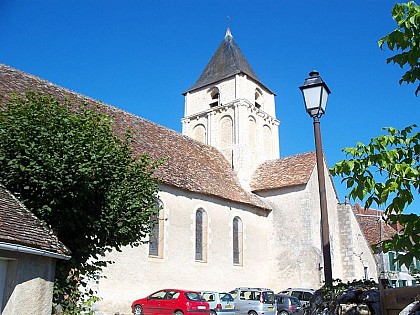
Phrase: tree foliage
(405, 39)
(387, 172)
(69, 168)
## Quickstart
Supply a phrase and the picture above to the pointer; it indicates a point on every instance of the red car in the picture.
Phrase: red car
(173, 302)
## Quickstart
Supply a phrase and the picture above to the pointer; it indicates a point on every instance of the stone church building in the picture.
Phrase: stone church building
(233, 212)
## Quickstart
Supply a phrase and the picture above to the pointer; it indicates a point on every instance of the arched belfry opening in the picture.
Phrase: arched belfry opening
(258, 98)
(214, 97)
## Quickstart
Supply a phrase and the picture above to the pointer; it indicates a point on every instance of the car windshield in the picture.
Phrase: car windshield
(226, 297)
(193, 296)
(268, 296)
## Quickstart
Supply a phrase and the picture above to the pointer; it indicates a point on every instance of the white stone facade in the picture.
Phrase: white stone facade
(276, 246)
(281, 248)
(136, 274)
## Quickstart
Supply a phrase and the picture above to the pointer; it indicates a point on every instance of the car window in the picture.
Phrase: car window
(297, 294)
(158, 295)
(307, 296)
(280, 300)
(208, 296)
(268, 296)
(234, 293)
(193, 296)
(226, 297)
(245, 295)
(172, 295)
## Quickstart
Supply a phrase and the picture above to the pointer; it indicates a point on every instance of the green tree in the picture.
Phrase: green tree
(67, 166)
(387, 170)
(406, 40)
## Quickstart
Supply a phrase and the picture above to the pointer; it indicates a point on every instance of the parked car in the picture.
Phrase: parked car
(173, 302)
(288, 305)
(221, 303)
(304, 295)
(254, 301)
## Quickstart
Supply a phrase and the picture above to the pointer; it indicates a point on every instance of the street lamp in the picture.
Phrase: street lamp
(315, 94)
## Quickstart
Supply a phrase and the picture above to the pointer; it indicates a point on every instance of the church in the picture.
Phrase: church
(233, 212)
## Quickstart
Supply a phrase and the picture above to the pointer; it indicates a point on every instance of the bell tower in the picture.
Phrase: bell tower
(230, 109)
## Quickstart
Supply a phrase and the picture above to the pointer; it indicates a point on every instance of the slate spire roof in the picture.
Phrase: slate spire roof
(226, 62)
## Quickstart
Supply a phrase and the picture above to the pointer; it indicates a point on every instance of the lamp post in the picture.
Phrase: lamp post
(315, 94)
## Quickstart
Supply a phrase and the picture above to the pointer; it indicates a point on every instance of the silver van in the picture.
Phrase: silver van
(254, 301)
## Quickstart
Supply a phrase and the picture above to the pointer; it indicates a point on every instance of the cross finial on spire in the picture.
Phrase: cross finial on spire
(228, 33)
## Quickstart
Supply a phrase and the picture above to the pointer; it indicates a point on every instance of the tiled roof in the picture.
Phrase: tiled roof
(285, 172)
(373, 225)
(19, 226)
(189, 164)
(226, 62)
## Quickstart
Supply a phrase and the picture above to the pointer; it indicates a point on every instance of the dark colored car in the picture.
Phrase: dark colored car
(304, 295)
(288, 305)
(171, 302)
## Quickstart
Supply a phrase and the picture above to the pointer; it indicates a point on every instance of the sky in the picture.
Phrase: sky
(142, 55)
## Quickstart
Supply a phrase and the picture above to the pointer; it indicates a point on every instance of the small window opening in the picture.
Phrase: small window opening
(258, 98)
(215, 97)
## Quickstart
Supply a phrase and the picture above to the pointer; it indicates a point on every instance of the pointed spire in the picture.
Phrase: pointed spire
(226, 62)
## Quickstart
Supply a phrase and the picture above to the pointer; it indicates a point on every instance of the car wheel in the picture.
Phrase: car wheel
(252, 313)
(138, 310)
(283, 313)
(213, 313)
(178, 313)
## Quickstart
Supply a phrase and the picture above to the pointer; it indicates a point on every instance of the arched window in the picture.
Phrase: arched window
(199, 133)
(268, 141)
(200, 235)
(226, 132)
(214, 96)
(226, 138)
(252, 137)
(237, 241)
(156, 234)
(258, 98)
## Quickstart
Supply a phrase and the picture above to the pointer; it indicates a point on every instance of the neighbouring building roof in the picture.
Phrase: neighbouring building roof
(285, 172)
(18, 226)
(226, 62)
(188, 165)
(373, 225)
